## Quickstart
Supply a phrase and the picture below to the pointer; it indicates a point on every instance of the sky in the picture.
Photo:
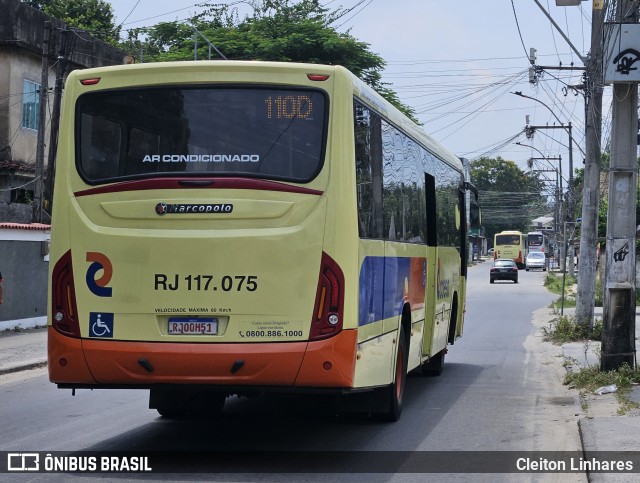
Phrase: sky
(457, 63)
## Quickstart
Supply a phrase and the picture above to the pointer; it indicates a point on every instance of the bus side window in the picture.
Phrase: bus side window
(368, 160)
(432, 230)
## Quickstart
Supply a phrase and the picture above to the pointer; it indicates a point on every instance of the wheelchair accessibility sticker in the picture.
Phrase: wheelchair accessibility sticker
(101, 324)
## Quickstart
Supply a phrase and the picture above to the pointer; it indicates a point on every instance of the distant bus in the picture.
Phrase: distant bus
(510, 244)
(537, 242)
(237, 227)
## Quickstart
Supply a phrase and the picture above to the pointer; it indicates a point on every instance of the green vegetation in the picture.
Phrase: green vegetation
(274, 30)
(589, 379)
(510, 197)
(93, 16)
(566, 329)
(553, 283)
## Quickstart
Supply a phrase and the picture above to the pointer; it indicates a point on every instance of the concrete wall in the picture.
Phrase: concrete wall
(25, 271)
(22, 26)
(16, 212)
(18, 65)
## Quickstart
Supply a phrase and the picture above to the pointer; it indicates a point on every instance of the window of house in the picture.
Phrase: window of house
(21, 195)
(30, 104)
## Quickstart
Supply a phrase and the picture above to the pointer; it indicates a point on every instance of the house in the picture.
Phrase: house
(23, 30)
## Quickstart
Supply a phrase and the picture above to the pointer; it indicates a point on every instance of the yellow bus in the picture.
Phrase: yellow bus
(230, 228)
(510, 244)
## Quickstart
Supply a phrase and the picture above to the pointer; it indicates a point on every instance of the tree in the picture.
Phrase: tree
(509, 197)
(93, 16)
(276, 30)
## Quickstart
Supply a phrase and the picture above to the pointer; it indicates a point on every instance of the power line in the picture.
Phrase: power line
(515, 15)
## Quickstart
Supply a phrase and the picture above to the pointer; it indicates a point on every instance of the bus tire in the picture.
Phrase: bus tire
(395, 392)
(435, 365)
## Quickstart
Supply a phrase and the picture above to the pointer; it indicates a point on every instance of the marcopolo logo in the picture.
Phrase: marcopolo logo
(183, 208)
(99, 262)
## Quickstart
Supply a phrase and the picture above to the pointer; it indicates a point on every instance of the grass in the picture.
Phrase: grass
(564, 329)
(588, 379)
(553, 283)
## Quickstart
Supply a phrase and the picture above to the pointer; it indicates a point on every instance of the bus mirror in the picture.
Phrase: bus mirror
(475, 215)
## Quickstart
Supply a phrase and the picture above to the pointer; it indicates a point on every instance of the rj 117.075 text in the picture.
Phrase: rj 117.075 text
(204, 283)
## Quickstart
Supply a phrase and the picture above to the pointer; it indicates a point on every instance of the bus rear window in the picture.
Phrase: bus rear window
(507, 239)
(201, 131)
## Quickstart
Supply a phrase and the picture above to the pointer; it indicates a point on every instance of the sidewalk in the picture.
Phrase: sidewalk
(602, 429)
(22, 350)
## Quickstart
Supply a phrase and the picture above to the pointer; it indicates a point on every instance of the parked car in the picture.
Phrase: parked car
(536, 260)
(490, 252)
(503, 269)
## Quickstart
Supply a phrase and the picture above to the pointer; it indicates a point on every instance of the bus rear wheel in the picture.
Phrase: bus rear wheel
(395, 392)
(435, 365)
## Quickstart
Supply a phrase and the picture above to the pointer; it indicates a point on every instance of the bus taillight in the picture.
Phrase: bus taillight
(317, 77)
(63, 298)
(90, 82)
(328, 310)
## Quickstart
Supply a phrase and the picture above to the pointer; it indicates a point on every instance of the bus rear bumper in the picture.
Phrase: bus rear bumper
(96, 363)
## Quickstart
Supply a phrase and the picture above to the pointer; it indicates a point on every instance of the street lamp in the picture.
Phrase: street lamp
(562, 125)
(519, 93)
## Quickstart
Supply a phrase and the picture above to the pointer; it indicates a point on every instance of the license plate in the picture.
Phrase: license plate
(193, 326)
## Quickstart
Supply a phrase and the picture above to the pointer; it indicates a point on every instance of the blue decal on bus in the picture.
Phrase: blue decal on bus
(386, 283)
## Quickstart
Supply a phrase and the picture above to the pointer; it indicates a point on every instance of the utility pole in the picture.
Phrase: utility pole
(529, 131)
(65, 49)
(557, 195)
(585, 296)
(618, 331)
(42, 125)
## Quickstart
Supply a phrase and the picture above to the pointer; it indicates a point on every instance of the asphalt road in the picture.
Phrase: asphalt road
(500, 391)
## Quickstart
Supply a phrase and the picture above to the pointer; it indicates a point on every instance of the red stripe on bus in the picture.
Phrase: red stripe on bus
(201, 183)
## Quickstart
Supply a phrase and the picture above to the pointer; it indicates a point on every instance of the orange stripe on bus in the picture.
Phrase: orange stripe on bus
(116, 362)
(325, 363)
(330, 362)
(66, 361)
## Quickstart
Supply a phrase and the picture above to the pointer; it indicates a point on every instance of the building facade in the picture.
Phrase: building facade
(24, 31)
(22, 37)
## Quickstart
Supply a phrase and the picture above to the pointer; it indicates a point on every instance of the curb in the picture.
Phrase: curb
(22, 367)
